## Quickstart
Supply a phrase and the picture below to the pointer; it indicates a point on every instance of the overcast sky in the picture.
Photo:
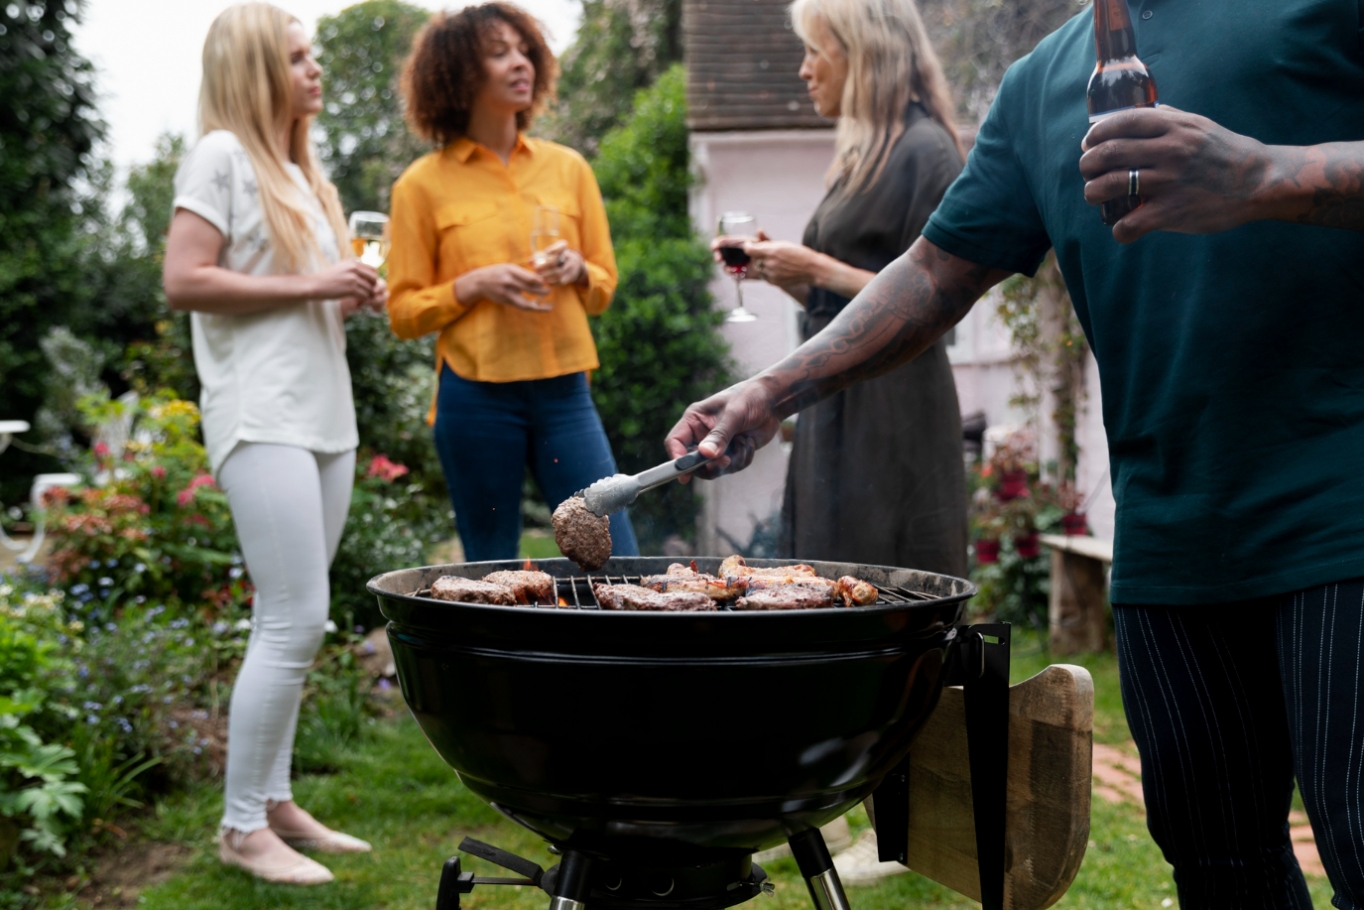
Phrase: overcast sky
(147, 56)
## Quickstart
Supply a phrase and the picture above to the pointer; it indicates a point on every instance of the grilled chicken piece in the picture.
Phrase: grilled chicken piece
(527, 586)
(686, 579)
(634, 597)
(582, 535)
(788, 597)
(736, 566)
(472, 591)
(856, 592)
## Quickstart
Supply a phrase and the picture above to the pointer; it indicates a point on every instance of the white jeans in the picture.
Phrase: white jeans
(289, 506)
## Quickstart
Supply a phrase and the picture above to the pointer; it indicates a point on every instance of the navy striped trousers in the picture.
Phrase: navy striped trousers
(1227, 703)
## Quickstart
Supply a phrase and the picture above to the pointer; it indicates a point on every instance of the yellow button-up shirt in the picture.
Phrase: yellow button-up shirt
(461, 208)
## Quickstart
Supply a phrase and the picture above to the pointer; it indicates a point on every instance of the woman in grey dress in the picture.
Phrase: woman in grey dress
(876, 473)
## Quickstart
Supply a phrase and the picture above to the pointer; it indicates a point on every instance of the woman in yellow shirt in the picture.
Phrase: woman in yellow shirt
(514, 347)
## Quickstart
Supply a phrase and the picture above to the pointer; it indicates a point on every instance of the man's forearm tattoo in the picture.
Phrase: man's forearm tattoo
(906, 308)
(1333, 176)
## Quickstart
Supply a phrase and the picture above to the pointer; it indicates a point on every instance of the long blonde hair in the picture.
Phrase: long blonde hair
(247, 90)
(891, 64)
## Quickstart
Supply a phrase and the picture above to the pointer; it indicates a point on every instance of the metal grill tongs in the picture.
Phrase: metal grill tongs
(611, 494)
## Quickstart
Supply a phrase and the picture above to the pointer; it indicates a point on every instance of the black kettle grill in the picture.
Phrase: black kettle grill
(656, 752)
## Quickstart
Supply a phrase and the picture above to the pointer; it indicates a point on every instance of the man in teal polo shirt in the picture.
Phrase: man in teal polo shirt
(1227, 318)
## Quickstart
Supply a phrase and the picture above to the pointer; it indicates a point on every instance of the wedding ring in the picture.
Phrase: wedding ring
(762, 269)
(1134, 182)
(561, 255)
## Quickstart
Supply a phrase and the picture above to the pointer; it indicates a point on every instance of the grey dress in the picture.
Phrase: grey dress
(876, 473)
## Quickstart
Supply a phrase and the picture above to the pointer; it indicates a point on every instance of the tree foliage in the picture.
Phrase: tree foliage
(367, 144)
(979, 39)
(48, 126)
(659, 343)
(622, 46)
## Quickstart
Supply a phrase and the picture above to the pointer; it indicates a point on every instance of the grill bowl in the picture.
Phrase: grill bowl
(660, 737)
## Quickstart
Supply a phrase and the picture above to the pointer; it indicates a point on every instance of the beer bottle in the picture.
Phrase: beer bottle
(1120, 81)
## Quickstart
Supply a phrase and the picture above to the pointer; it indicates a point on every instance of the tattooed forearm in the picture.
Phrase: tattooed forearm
(1320, 184)
(906, 308)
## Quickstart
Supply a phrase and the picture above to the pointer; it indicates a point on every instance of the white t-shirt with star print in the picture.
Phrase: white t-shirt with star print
(278, 376)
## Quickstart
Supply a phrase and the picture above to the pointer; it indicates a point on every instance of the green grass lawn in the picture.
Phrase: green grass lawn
(393, 790)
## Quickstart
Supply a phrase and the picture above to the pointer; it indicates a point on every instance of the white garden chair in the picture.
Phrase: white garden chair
(41, 484)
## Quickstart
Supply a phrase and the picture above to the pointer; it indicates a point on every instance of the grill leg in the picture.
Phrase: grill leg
(572, 886)
(817, 867)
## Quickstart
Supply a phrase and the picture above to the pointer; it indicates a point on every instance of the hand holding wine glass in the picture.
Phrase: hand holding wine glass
(561, 265)
(736, 226)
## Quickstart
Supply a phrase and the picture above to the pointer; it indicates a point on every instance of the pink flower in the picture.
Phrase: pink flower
(158, 472)
(101, 450)
(186, 496)
(380, 466)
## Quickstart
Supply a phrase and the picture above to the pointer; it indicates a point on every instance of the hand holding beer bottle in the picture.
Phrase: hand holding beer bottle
(1120, 82)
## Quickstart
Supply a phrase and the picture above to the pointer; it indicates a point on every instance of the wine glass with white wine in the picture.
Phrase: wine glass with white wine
(738, 225)
(369, 237)
(544, 233)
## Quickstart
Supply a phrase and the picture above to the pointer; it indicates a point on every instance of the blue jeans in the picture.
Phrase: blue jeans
(487, 433)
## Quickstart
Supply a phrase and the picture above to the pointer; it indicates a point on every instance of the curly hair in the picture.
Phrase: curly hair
(445, 72)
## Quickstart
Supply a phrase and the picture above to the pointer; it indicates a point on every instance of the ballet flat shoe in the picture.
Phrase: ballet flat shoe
(331, 842)
(295, 870)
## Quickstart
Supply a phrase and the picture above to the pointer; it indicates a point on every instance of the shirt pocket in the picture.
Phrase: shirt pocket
(471, 235)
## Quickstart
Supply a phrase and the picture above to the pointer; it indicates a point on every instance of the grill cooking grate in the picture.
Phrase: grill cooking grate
(575, 593)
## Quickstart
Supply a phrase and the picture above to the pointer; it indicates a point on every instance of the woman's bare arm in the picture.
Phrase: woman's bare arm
(193, 280)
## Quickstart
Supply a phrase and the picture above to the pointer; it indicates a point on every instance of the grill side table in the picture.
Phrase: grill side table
(1051, 726)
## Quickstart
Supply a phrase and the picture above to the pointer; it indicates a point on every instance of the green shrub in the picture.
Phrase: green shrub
(159, 530)
(659, 343)
(392, 381)
(393, 521)
(335, 710)
(1010, 501)
(40, 799)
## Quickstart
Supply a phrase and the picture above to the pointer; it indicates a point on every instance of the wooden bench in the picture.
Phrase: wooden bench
(1076, 616)
(1051, 727)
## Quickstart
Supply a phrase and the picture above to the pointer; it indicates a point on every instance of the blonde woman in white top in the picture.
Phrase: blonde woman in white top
(257, 252)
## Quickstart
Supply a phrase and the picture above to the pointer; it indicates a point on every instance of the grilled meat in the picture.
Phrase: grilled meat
(856, 592)
(739, 575)
(736, 566)
(472, 591)
(680, 578)
(634, 597)
(755, 583)
(853, 592)
(527, 586)
(582, 535)
(788, 597)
